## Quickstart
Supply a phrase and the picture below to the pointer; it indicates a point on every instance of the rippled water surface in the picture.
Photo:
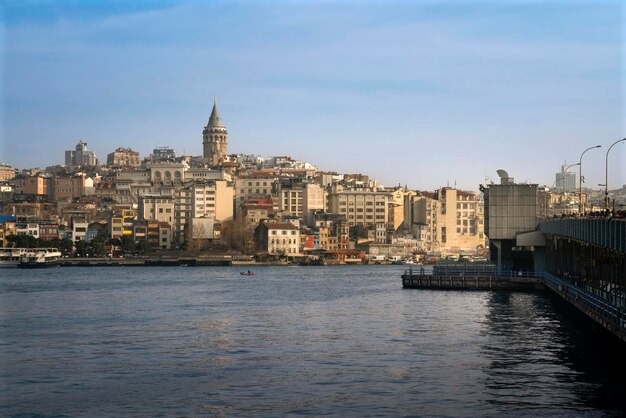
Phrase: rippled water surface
(343, 341)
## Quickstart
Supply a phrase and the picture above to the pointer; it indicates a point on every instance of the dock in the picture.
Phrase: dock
(527, 282)
(147, 262)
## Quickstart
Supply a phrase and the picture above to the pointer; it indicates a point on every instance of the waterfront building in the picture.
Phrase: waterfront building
(27, 225)
(510, 219)
(165, 236)
(7, 228)
(79, 229)
(277, 238)
(140, 230)
(48, 229)
(338, 227)
(121, 223)
(80, 156)
(460, 220)
(123, 157)
(214, 139)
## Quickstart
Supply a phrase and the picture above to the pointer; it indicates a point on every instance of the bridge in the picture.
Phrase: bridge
(583, 262)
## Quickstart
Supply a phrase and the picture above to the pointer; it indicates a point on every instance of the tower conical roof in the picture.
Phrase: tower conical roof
(214, 120)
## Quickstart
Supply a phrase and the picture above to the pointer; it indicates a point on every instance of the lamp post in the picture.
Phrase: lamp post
(580, 180)
(564, 179)
(606, 174)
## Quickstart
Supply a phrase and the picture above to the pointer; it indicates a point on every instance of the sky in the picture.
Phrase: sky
(418, 93)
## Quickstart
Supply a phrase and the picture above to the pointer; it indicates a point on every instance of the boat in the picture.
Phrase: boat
(40, 258)
(10, 257)
(247, 273)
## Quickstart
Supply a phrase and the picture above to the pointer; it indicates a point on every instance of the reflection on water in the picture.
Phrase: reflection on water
(292, 340)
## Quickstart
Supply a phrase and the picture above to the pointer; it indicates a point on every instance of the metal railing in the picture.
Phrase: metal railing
(595, 304)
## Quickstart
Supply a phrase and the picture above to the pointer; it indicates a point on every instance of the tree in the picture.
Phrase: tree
(23, 241)
(237, 235)
(96, 247)
(127, 244)
(81, 248)
(143, 247)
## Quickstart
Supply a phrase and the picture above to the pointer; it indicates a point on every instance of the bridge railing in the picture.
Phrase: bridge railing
(474, 273)
(605, 233)
(599, 306)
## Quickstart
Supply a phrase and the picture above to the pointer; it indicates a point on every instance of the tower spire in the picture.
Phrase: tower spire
(215, 121)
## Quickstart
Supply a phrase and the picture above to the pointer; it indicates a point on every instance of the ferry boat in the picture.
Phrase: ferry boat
(40, 257)
(10, 257)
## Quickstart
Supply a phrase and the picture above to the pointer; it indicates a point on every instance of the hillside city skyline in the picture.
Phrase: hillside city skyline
(423, 94)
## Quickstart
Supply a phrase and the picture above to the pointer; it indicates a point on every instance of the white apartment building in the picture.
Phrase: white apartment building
(278, 238)
(157, 207)
(213, 200)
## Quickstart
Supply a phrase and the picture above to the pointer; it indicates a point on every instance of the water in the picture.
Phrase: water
(342, 341)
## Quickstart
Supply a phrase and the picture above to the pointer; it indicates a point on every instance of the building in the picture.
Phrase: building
(255, 185)
(565, 180)
(67, 188)
(79, 229)
(165, 236)
(6, 172)
(214, 139)
(48, 229)
(364, 208)
(36, 185)
(277, 238)
(460, 220)
(212, 199)
(163, 154)
(511, 219)
(123, 157)
(80, 156)
(7, 228)
(255, 210)
(27, 225)
(421, 220)
(157, 207)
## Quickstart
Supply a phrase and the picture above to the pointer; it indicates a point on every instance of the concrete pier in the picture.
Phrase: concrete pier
(457, 282)
(147, 262)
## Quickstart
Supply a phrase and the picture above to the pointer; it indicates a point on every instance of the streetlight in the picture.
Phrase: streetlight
(563, 178)
(580, 180)
(606, 174)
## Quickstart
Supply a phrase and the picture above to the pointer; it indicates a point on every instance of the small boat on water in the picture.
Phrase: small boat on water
(247, 273)
(40, 258)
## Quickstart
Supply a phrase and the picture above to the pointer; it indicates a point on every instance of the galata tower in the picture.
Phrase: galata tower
(214, 139)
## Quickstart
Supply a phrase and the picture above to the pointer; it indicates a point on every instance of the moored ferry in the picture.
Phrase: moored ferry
(10, 257)
(40, 257)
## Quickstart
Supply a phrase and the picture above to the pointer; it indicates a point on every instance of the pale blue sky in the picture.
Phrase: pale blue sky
(426, 93)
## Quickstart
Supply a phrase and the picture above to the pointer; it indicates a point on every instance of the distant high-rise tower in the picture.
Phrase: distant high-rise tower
(565, 180)
(214, 139)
